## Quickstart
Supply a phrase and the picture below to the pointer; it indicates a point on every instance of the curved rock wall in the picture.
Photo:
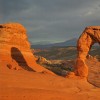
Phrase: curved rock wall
(15, 49)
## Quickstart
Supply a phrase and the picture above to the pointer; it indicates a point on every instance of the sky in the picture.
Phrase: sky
(51, 20)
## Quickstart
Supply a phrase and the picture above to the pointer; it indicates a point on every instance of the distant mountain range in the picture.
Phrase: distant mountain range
(41, 43)
(71, 42)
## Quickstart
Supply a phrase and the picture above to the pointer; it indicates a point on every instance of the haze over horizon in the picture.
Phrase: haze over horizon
(51, 20)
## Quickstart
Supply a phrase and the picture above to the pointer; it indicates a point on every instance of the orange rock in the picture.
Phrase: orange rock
(15, 48)
(89, 36)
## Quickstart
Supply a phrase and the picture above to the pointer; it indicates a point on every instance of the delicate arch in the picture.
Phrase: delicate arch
(89, 36)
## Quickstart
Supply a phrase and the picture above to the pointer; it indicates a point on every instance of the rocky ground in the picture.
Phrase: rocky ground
(26, 85)
(63, 67)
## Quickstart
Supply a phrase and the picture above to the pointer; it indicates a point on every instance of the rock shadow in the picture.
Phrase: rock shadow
(19, 58)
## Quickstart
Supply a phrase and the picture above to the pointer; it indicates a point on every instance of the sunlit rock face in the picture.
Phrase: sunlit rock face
(89, 36)
(15, 52)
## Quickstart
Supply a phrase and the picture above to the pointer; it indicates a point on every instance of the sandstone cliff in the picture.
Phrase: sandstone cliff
(15, 50)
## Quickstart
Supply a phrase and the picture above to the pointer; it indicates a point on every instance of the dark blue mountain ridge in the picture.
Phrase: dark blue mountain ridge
(71, 42)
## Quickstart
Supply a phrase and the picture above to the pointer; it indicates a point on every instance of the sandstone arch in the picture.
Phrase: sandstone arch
(89, 36)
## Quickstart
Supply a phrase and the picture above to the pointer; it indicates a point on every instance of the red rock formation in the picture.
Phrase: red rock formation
(89, 36)
(15, 50)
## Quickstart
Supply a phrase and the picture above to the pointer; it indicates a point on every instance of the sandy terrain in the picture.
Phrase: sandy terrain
(25, 85)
